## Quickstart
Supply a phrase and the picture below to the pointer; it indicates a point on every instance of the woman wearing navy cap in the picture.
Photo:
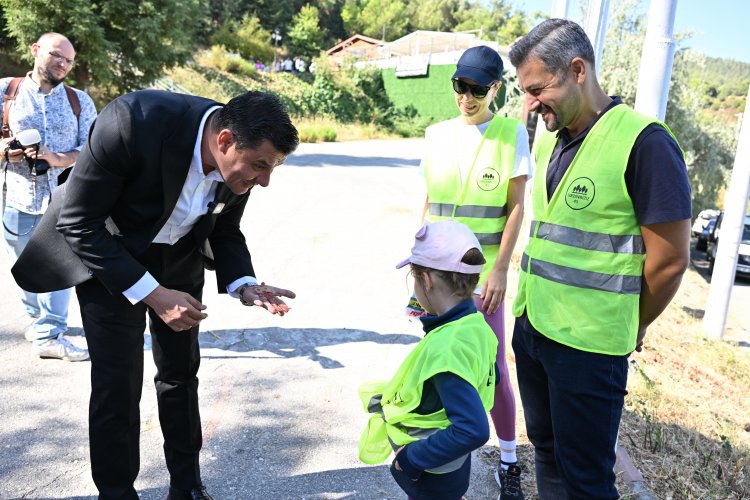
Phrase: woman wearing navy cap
(475, 167)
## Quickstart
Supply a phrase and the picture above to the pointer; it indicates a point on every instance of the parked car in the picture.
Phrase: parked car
(743, 257)
(701, 243)
(702, 221)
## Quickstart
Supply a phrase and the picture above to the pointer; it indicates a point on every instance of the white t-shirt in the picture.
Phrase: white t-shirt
(470, 136)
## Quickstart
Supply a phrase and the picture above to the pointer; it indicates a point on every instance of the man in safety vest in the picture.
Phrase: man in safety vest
(609, 243)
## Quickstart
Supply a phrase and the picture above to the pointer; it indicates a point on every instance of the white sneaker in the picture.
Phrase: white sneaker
(60, 348)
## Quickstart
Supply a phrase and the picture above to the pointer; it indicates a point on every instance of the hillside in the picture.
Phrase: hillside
(724, 84)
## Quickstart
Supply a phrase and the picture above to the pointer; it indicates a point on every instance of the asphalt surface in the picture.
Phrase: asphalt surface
(280, 411)
(281, 415)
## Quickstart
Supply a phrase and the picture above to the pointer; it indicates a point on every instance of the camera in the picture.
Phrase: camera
(30, 139)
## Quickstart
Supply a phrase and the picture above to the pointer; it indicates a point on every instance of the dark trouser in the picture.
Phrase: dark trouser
(572, 401)
(449, 486)
(114, 332)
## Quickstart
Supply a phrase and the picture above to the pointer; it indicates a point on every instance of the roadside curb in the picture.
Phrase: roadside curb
(632, 476)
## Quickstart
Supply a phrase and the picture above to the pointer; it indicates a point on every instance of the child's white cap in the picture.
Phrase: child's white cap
(441, 245)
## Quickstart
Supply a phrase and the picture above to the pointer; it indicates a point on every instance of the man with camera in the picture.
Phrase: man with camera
(45, 125)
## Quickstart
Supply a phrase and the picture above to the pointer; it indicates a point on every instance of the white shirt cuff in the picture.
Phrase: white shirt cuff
(234, 285)
(141, 289)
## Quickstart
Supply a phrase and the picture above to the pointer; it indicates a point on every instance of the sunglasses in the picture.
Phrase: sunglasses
(478, 91)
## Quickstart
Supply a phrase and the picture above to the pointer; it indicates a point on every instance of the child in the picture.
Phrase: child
(433, 412)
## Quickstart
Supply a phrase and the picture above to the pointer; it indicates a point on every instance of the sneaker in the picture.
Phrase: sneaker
(509, 481)
(60, 348)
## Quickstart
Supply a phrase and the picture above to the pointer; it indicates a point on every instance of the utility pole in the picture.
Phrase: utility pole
(596, 28)
(725, 264)
(656, 60)
(560, 9)
(276, 37)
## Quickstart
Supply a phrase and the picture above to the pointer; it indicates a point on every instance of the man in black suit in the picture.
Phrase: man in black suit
(160, 186)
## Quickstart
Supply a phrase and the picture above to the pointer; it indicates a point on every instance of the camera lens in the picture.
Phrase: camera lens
(41, 167)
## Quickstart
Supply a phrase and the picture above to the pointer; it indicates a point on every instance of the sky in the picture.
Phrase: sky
(720, 27)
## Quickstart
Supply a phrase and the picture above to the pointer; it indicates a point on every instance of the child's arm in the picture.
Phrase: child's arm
(468, 431)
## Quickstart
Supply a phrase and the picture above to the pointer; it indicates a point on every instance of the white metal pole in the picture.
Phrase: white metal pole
(656, 60)
(596, 27)
(560, 9)
(725, 264)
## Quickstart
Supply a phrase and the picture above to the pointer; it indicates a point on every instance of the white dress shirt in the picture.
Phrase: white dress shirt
(198, 191)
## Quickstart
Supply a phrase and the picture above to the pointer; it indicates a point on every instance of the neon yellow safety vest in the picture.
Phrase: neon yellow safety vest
(466, 347)
(480, 202)
(580, 279)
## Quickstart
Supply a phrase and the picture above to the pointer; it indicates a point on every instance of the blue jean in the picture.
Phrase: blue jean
(50, 310)
(572, 401)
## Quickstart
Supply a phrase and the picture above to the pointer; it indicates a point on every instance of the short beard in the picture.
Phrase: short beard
(555, 125)
(48, 77)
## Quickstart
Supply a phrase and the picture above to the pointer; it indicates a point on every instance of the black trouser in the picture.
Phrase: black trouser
(572, 401)
(114, 331)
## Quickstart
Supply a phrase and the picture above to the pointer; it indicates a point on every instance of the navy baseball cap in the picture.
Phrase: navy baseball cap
(481, 64)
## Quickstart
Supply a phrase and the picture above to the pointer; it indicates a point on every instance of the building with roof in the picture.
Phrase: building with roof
(358, 47)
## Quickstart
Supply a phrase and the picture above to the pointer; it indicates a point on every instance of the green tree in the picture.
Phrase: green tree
(385, 19)
(121, 45)
(433, 15)
(275, 14)
(708, 145)
(246, 37)
(498, 21)
(305, 38)
(219, 13)
(329, 13)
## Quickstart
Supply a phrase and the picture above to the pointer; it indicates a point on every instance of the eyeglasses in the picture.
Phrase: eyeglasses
(59, 58)
(478, 91)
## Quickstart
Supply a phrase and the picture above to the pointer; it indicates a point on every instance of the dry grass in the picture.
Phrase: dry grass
(687, 419)
(345, 131)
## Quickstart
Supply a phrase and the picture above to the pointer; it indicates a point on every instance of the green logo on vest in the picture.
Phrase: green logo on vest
(580, 193)
(488, 179)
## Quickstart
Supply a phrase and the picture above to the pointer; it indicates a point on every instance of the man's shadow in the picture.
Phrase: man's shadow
(288, 342)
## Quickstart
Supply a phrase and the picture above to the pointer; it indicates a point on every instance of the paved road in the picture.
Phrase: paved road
(280, 412)
(281, 416)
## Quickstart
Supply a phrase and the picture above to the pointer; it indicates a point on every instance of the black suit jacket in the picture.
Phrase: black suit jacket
(120, 193)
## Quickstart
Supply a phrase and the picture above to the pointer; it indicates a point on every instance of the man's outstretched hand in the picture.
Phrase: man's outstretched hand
(267, 296)
(179, 310)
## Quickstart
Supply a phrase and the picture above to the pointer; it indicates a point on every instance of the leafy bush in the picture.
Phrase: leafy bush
(315, 133)
(217, 57)
(405, 122)
(308, 134)
(246, 37)
(328, 134)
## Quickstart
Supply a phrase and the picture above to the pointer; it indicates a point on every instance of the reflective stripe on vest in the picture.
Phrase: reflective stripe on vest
(476, 211)
(479, 201)
(629, 243)
(582, 279)
(422, 433)
(581, 275)
(466, 347)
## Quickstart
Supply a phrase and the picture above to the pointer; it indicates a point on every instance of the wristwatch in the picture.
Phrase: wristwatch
(241, 292)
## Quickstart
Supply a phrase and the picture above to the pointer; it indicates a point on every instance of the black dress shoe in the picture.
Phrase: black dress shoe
(197, 493)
